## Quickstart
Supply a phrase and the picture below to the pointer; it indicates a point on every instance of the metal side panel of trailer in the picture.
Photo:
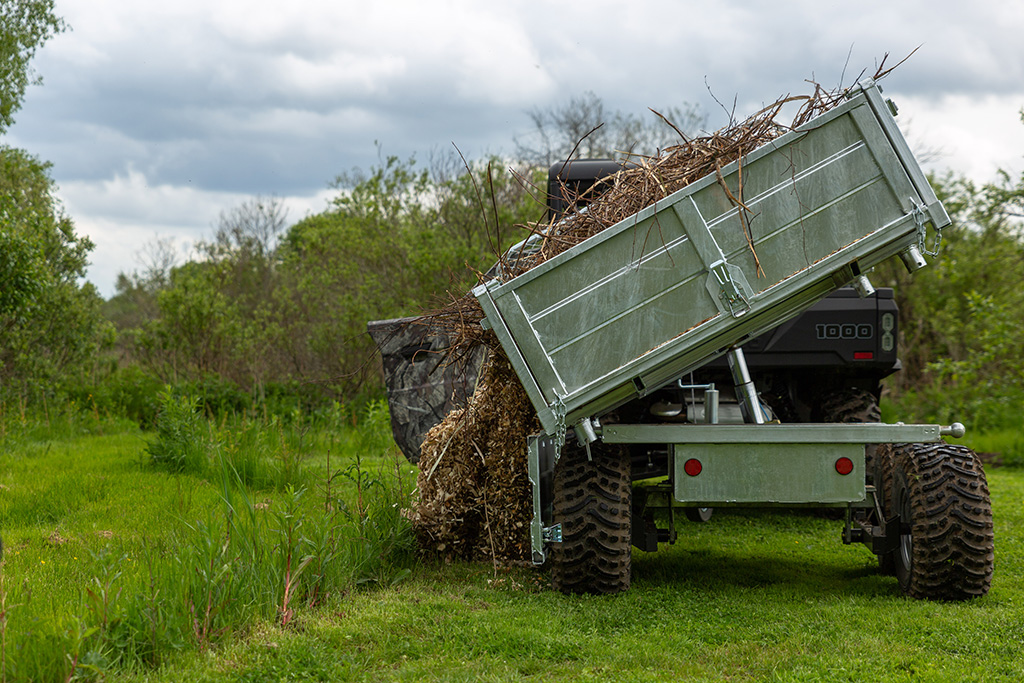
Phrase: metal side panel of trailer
(668, 289)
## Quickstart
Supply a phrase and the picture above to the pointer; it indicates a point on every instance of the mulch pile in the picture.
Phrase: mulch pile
(475, 500)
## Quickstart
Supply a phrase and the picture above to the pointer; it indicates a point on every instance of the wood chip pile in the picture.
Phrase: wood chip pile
(475, 500)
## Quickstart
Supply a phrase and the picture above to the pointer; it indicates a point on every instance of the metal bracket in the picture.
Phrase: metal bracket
(726, 283)
(552, 534)
(729, 287)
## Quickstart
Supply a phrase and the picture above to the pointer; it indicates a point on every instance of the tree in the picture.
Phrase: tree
(25, 25)
(49, 323)
(584, 128)
(261, 304)
(962, 317)
(251, 229)
(393, 243)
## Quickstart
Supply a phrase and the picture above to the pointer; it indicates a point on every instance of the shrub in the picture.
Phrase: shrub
(182, 436)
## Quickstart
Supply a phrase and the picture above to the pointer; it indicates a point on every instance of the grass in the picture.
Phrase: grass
(115, 570)
(998, 437)
(746, 597)
(115, 562)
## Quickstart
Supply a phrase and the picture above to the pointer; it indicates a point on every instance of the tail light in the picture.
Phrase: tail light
(844, 466)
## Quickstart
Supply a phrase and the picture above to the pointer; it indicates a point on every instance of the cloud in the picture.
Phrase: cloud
(974, 136)
(124, 213)
(201, 103)
(225, 93)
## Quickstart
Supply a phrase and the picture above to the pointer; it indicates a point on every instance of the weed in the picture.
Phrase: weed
(208, 586)
(289, 524)
(102, 591)
(5, 608)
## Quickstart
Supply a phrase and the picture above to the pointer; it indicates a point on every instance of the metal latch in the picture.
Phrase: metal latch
(552, 534)
(732, 286)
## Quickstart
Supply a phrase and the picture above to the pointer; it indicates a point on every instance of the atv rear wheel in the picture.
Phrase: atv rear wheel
(945, 549)
(591, 500)
(855, 406)
(850, 406)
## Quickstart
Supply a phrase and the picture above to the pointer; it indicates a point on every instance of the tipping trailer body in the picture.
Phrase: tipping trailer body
(672, 287)
(615, 337)
(661, 294)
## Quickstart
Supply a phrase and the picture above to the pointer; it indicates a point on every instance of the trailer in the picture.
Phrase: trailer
(629, 314)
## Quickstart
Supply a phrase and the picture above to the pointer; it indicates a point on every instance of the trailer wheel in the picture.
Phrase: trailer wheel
(945, 550)
(591, 500)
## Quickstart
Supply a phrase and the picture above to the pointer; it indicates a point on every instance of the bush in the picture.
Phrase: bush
(182, 435)
(127, 392)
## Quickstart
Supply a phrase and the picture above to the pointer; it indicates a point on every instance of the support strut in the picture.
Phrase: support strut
(746, 394)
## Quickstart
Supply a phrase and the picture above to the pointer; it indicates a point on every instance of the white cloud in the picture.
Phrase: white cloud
(158, 116)
(123, 214)
(973, 136)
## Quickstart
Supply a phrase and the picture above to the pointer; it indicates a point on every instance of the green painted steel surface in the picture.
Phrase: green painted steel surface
(859, 433)
(769, 473)
(640, 303)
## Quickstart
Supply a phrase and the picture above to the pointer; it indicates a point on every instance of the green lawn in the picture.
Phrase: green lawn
(747, 597)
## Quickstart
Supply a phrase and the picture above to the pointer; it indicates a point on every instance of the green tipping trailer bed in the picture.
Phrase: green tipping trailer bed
(668, 289)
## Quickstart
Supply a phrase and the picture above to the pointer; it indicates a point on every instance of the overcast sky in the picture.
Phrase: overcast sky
(158, 116)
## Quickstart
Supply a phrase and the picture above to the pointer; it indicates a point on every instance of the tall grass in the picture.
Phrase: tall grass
(301, 515)
(263, 453)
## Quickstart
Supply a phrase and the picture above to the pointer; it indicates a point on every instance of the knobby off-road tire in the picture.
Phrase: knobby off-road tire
(883, 467)
(941, 494)
(850, 406)
(592, 503)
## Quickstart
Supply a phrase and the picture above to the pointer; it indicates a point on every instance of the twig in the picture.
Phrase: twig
(741, 209)
(433, 467)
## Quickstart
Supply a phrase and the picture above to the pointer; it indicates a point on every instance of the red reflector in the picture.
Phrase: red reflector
(692, 467)
(844, 466)
(863, 355)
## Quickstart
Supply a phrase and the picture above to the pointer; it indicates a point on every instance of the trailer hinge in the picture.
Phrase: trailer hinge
(552, 534)
(586, 434)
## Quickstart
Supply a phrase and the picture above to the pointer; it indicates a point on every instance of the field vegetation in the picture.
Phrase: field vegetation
(122, 564)
(198, 481)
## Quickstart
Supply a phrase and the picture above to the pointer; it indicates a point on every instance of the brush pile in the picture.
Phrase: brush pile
(475, 498)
